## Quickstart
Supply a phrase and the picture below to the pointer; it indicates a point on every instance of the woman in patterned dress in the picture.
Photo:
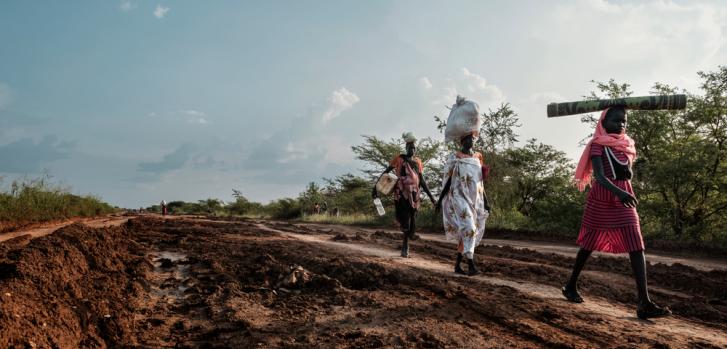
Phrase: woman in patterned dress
(407, 197)
(610, 221)
(463, 202)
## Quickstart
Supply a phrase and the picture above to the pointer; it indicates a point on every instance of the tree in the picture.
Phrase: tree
(498, 129)
(542, 171)
(348, 193)
(242, 205)
(209, 205)
(310, 197)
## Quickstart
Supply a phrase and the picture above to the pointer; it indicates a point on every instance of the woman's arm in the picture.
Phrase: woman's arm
(424, 186)
(374, 193)
(626, 198)
(444, 192)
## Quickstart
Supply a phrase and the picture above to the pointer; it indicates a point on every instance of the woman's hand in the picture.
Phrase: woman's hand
(628, 200)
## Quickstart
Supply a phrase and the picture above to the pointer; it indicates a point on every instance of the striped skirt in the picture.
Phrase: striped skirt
(607, 225)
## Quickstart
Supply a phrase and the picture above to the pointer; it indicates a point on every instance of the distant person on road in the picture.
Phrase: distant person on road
(463, 200)
(316, 208)
(164, 207)
(407, 198)
(610, 222)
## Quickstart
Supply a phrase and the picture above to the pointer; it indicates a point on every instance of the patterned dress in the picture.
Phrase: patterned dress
(607, 225)
(463, 207)
(407, 196)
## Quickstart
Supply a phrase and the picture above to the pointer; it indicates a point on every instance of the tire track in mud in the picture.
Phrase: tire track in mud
(671, 329)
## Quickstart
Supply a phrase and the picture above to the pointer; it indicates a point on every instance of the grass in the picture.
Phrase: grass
(345, 219)
(37, 200)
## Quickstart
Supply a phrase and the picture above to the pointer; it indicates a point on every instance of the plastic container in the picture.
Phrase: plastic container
(386, 183)
(379, 206)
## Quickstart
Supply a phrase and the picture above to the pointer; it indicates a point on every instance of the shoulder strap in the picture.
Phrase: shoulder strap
(411, 163)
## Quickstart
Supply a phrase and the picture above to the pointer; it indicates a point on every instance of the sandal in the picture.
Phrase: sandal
(651, 310)
(572, 294)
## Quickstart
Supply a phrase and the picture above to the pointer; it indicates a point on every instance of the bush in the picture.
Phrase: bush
(38, 201)
(283, 209)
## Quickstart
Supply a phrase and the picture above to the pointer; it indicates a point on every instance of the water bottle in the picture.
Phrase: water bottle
(379, 207)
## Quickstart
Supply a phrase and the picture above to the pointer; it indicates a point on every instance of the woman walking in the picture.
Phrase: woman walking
(407, 198)
(610, 221)
(463, 200)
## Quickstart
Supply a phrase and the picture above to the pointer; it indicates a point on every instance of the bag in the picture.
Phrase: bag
(386, 183)
(464, 118)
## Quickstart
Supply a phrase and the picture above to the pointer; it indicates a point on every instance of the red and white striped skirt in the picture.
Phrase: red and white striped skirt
(607, 225)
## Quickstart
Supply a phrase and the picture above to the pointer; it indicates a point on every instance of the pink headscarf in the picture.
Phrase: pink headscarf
(622, 142)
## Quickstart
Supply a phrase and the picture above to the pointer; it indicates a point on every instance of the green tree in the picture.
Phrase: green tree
(242, 205)
(310, 197)
(348, 193)
(542, 171)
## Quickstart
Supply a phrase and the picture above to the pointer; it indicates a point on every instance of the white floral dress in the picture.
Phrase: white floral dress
(464, 205)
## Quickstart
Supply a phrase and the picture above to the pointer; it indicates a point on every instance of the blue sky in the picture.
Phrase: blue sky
(138, 101)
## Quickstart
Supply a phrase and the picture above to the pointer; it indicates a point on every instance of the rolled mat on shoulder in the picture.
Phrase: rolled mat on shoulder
(662, 102)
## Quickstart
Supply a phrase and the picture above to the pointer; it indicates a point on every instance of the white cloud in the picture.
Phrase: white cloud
(160, 11)
(425, 83)
(339, 101)
(6, 95)
(198, 121)
(192, 112)
(643, 41)
(127, 6)
(194, 116)
(471, 85)
(311, 143)
(191, 116)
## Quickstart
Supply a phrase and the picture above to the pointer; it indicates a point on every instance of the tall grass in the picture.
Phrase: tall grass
(37, 200)
(345, 219)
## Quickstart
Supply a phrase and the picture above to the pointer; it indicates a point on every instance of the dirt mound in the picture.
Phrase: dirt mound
(70, 289)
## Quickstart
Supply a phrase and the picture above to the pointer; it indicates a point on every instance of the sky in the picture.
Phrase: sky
(139, 101)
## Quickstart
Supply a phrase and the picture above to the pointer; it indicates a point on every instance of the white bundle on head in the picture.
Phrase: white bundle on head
(464, 118)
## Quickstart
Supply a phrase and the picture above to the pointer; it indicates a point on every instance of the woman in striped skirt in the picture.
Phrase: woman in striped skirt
(610, 222)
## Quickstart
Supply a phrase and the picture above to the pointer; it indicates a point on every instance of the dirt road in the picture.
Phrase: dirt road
(246, 283)
(568, 250)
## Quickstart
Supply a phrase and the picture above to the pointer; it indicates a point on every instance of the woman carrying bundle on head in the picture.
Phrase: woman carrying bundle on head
(463, 200)
(407, 198)
(610, 222)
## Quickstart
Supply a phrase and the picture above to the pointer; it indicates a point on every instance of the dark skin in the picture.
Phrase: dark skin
(409, 157)
(467, 144)
(614, 123)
